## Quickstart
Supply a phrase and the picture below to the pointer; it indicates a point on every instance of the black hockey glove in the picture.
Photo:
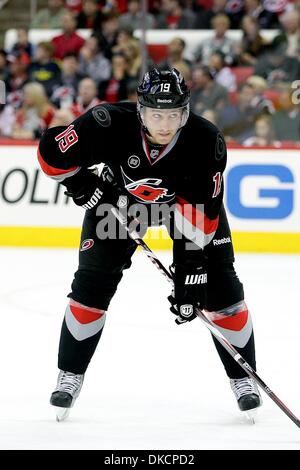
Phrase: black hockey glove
(189, 291)
(88, 190)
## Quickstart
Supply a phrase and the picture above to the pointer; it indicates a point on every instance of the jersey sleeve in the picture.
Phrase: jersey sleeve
(88, 140)
(198, 204)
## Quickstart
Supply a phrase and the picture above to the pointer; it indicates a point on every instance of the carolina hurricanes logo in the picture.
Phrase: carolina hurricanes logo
(147, 189)
(87, 244)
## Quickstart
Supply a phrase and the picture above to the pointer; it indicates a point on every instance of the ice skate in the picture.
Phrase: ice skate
(247, 395)
(67, 390)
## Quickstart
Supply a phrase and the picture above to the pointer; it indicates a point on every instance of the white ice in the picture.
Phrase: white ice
(151, 384)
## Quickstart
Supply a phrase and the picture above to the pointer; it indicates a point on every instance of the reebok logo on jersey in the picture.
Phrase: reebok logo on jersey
(94, 199)
(196, 279)
(221, 241)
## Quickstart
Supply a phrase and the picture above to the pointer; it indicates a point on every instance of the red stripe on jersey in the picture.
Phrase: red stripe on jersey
(196, 217)
(85, 314)
(50, 170)
(234, 322)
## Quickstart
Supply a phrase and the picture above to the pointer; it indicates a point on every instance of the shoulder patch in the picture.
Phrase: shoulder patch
(220, 150)
(102, 116)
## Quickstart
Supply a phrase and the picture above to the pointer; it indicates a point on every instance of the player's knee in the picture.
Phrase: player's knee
(235, 323)
(95, 287)
(83, 321)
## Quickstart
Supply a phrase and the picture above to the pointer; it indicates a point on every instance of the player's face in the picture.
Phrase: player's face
(162, 124)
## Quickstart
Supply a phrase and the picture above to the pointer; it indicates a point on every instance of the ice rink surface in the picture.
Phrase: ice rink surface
(151, 384)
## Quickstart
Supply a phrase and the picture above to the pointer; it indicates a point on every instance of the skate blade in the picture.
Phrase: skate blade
(61, 413)
(250, 416)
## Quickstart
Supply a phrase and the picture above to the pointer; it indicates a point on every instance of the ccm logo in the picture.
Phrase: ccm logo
(196, 279)
(260, 191)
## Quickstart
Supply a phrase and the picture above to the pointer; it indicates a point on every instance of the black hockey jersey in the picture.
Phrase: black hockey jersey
(187, 172)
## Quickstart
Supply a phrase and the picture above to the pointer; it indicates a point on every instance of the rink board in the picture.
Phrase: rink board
(261, 198)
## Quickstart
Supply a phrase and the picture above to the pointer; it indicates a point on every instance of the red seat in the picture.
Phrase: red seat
(157, 52)
(290, 143)
(233, 97)
(242, 73)
(273, 95)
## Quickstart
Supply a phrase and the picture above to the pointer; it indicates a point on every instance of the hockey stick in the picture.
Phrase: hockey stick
(216, 333)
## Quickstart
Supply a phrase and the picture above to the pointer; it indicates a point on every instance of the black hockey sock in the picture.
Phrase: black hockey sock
(81, 330)
(233, 370)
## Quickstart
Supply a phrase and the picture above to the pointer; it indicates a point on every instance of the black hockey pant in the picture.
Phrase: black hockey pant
(101, 265)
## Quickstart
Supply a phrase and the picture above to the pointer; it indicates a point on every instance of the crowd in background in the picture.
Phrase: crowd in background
(248, 88)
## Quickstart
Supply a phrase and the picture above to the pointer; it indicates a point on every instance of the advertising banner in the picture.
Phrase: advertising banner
(261, 197)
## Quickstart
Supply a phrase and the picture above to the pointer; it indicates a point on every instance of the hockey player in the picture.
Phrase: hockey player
(156, 153)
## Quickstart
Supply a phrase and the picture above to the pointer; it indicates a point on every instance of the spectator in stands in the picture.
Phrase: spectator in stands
(237, 121)
(62, 117)
(276, 67)
(205, 92)
(69, 40)
(175, 57)
(87, 97)
(89, 17)
(132, 52)
(23, 44)
(289, 39)
(264, 134)
(7, 120)
(44, 69)
(252, 44)
(75, 6)
(134, 18)
(115, 89)
(92, 61)
(109, 32)
(221, 72)
(17, 77)
(210, 115)
(66, 87)
(205, 15)
(260, 87)
(219, 41)
(185, 71)
(266, 19)
(154, 7)
(4, 69)
(286, 121)
(174, 15)
(35, 113)
(131, 88)
(123, 37)
(233, 10)
(49, 18)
